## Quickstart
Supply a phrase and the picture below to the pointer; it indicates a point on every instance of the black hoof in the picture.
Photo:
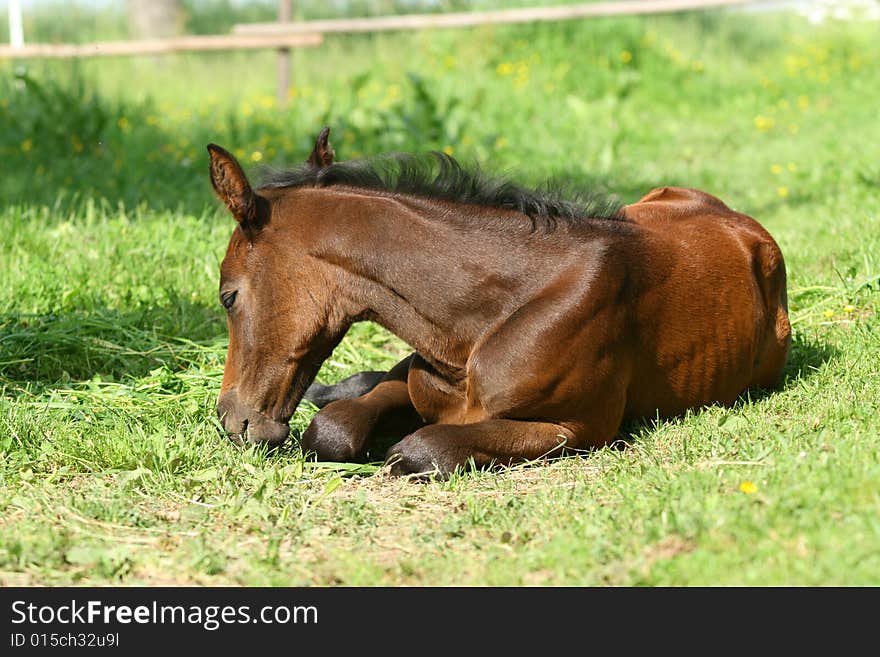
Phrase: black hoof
(331, 439)
(410, 457)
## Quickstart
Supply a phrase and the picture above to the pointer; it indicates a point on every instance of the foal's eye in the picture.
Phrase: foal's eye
(228, 299)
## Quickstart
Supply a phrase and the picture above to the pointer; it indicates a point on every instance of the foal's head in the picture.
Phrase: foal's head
(276, 302)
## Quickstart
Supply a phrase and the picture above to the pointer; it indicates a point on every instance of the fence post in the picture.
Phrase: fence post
(284, 12)
(16, 33)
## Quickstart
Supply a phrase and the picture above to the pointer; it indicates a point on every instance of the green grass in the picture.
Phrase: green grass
(112, 343)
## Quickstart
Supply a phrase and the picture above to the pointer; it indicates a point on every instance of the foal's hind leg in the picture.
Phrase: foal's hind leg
(441, 448)
(354, 386)
(344, 429)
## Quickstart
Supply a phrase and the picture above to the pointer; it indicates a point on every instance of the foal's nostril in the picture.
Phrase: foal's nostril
(227, 406)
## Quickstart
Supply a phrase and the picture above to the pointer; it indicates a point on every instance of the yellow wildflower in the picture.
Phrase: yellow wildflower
(764, 123)
(776, 168)
(626, 56)
(748, 487)
(782, 191)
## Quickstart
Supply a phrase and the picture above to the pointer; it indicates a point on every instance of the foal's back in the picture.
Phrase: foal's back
(711, 313)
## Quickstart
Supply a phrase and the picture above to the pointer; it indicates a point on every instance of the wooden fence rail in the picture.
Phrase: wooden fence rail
(470, 19)
(162, 46)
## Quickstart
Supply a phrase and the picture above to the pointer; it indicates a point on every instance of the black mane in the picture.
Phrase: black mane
(439, 176)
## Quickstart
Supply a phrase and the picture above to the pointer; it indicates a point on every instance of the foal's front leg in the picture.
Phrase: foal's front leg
(344, 430)
(441, 448)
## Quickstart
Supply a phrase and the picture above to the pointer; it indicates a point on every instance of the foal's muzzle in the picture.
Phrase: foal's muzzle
(248, 425)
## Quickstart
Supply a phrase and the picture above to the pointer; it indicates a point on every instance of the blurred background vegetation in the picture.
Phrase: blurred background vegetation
(621, 104)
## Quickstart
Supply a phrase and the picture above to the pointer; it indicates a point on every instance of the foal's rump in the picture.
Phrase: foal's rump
(712, 315)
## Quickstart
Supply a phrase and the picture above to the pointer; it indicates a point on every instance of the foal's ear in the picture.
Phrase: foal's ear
(323, 154)
(232, 185)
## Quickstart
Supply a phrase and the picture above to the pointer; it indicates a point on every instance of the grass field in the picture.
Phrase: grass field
(112, 343)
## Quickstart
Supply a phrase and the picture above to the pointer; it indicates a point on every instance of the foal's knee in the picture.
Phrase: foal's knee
(339, 433)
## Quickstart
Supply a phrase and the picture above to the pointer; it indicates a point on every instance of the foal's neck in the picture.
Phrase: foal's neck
(438, 275)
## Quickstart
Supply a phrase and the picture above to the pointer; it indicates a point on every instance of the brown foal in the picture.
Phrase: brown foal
(538, 325)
